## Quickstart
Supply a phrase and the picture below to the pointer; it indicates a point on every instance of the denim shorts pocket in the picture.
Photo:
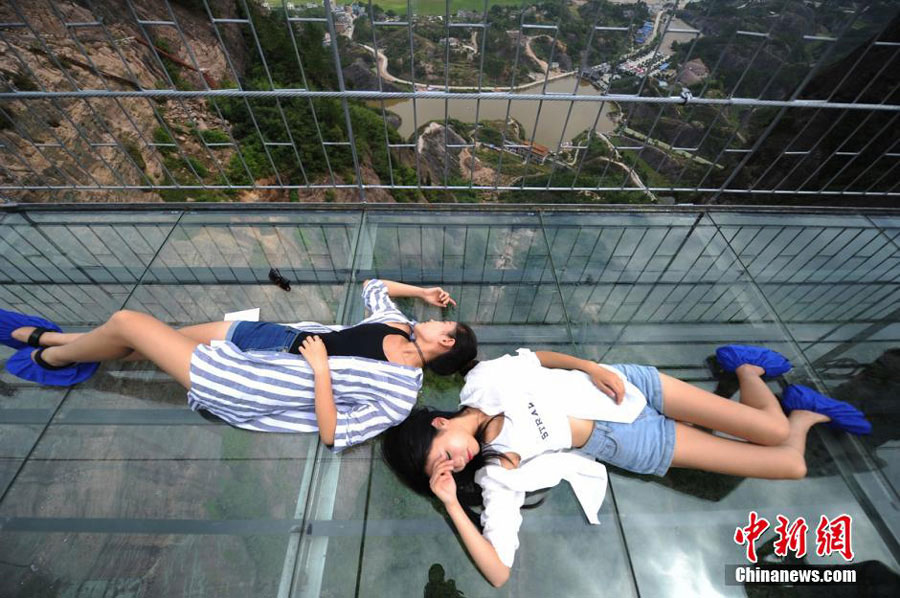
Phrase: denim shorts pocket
(289, 337)
(607, 447)
(646, 412)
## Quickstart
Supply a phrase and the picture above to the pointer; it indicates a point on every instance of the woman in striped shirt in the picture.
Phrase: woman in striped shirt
(352, 384)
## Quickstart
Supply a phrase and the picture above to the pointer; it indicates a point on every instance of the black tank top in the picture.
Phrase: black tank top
(363, 340)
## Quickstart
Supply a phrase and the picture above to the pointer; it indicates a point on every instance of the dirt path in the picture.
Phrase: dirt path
(656, 24)
(631, 173)
(382, 67)
(530, 53)
(665, 146)
(484, 175)
(545, 68)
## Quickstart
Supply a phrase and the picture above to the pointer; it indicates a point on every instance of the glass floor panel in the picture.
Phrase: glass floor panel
(673, 309)
(116, 488)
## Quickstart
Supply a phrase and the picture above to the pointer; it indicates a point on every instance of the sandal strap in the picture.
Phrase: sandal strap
(35, 337)
(38, 359)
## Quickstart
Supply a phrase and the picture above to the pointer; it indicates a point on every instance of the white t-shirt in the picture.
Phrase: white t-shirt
(533, 427)
(509, 385)
(496, 386)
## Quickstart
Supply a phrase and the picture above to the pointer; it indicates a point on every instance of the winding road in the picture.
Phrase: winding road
(382, 61)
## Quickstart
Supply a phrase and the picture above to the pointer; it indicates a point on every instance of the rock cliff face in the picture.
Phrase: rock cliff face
(860, 77)
(108, 141)
(359, 74)
(433, 157)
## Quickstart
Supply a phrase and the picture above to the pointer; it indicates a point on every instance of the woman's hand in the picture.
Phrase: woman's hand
(437, 296)
(442, 483)
(608, 382)
(313, 350)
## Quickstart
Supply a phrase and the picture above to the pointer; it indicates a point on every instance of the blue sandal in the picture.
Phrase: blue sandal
(10, 320)
(730, 357)
(35, 369)
(844, 416)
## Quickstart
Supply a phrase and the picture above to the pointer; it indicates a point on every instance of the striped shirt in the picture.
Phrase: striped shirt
(270, 391)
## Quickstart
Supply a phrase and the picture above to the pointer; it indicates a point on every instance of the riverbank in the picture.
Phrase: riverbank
(382, 62)
(550, 130)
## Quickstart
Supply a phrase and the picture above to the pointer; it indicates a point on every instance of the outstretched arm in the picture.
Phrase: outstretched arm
(482, 552)
(433, 295)
(608, 382)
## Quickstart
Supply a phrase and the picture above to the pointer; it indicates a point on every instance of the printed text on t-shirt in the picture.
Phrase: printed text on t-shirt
(542, 429)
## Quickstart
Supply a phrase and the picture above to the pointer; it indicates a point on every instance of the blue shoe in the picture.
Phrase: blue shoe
(844, 416)
(37, 370)
(10, 320)
(731, 357)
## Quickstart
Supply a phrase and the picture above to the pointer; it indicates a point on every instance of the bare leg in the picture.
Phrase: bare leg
(126, 331)
(757, 418)
(696, 449)
(202, 333)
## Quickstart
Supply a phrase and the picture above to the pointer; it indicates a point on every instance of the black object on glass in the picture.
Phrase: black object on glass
(283, 283)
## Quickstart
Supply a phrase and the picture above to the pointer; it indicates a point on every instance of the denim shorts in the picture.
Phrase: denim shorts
(261, 336)
(645, 445)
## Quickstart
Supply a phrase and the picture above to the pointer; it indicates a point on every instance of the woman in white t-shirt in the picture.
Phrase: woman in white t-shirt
(528, 421)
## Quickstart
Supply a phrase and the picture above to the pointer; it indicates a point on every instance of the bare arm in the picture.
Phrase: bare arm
(313, 350)
(608, 382)
(433, 295)
(400, 289)
(482, 552)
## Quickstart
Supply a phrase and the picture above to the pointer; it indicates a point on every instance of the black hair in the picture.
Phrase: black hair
(461, 355)
(405, 448)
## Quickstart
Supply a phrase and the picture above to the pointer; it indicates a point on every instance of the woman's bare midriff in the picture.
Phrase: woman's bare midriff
(581, 431)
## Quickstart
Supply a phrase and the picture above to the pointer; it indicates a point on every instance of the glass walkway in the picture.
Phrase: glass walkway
(115, 488)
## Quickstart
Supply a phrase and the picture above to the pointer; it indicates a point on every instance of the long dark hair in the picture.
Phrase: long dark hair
(405, 448)
(461, 355)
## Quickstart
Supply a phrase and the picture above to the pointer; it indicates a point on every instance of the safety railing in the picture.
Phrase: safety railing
(603, 102)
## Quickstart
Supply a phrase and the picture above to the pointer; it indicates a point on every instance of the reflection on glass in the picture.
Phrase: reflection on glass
(115, 487)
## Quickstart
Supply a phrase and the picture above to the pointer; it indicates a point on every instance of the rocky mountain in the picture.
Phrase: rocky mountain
(66, 140)
(869, 74)
(134, 142)
(433, 159)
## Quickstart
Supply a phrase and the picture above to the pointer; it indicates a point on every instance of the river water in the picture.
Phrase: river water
(675, 36)
(550, 123)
